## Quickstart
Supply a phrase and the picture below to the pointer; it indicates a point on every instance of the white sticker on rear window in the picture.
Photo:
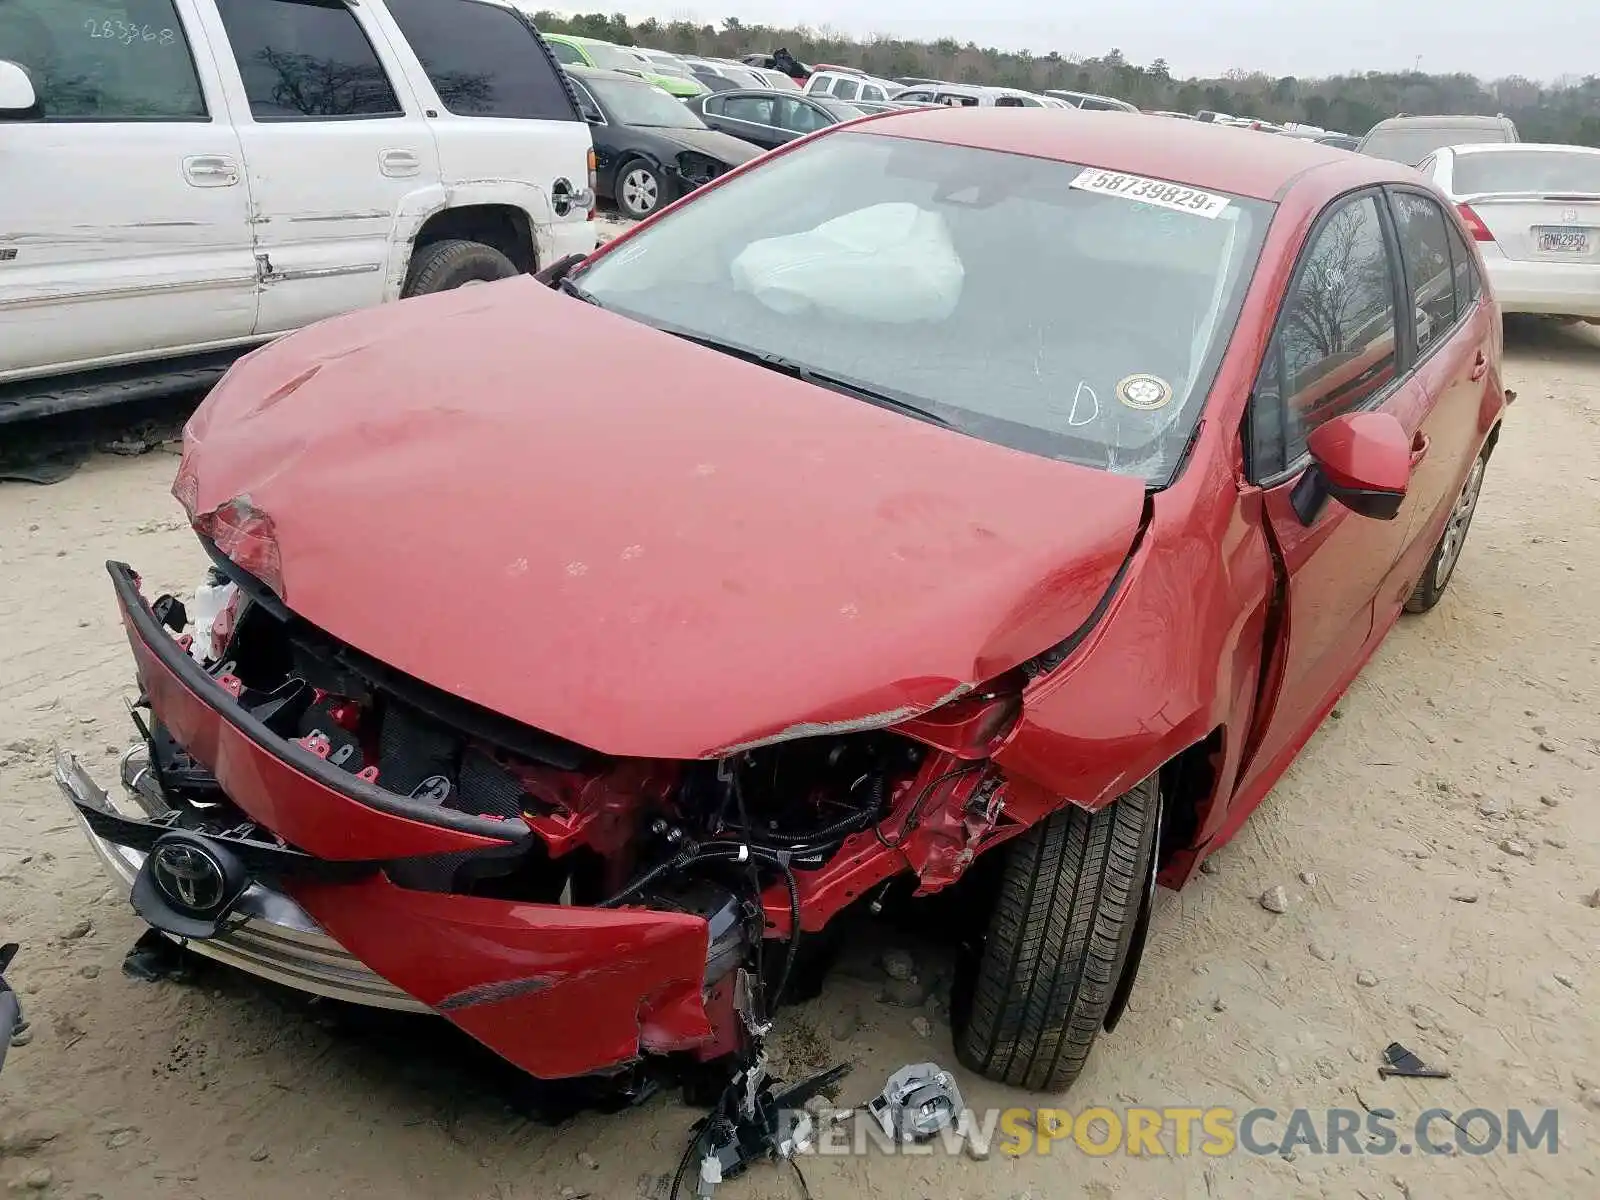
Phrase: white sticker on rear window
(1151, 191)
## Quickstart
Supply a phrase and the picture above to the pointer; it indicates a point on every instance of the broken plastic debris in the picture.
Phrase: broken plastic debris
(1403, 1064)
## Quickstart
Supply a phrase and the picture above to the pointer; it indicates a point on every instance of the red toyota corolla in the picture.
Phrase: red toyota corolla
(1003, 487)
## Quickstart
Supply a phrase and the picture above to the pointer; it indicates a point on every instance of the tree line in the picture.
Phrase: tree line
(1567, 110)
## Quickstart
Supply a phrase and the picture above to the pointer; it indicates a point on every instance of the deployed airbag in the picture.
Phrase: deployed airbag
(891, 262)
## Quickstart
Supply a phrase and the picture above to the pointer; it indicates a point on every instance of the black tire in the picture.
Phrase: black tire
(1446, 554)
(652, 197)
(1064, 917)
(443, 266)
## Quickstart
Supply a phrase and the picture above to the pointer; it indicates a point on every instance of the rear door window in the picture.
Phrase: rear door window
(306, 60)
(1425, 251)
(755, 109)
(483, 60)
(103, 60)
(845, 89)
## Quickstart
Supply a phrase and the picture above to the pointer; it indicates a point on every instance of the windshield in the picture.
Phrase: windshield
(1411, 146)
(566, 53)
(612, 58)
(1554, 172)
(842, 111)
(665, 64)
(1027, 302)
(745, 79)
(630, 102)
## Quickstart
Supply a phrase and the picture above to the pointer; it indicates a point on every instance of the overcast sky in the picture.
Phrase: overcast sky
(1490, 38)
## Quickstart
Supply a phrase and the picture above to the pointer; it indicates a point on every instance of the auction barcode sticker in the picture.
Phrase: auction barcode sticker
(1151, 191)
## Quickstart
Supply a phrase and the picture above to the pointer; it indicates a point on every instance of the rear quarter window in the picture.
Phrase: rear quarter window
(483, 60)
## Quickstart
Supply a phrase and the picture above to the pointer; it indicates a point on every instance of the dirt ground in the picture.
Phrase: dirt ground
(1439, 843)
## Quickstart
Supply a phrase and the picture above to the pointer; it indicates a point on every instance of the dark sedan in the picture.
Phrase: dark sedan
(649, 148)
(768, 119)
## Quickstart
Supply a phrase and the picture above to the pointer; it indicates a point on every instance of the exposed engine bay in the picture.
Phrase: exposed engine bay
(761, 845)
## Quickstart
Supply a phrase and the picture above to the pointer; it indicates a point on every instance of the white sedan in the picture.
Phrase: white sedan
(1535, 212)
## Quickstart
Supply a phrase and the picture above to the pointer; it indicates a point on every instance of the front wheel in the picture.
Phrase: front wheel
(1442, 562)
(1059, 943)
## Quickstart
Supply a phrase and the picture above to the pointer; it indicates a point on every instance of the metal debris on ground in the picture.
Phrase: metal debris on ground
(916, 1103)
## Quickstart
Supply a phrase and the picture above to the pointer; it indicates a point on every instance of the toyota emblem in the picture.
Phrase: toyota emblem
(188, 876)
(1569, 215)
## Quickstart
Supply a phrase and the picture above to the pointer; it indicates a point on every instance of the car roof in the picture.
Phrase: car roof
(1464, 121)
(1517, 147)
(1192, 153)
(1081, 95)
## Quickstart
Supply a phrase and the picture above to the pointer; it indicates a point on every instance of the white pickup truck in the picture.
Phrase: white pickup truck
(183, 179)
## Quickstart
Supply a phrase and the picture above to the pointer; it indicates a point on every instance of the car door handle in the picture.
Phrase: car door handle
(210, 170)
(1419, 448)
(399, 164)
(1479, 366)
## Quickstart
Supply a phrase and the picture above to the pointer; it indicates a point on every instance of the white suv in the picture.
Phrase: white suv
(183, 179)
(848, 85)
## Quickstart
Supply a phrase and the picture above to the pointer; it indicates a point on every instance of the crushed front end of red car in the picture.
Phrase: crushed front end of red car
(322, 820)
(581, 785)
(570, 910)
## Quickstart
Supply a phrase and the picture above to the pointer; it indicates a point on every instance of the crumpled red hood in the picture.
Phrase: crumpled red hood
(638, 544)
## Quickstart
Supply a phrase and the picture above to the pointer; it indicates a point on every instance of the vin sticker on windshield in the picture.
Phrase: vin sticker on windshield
(1152, 191)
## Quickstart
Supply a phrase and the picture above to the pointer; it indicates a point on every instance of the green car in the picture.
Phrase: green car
(608, 56)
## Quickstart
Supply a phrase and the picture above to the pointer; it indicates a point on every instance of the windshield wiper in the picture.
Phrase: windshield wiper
(849, 387)
(576, 291)
(806, 374)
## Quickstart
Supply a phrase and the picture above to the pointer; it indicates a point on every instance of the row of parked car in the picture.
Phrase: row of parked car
(1534, 209)
(650, 149)
(186, 179)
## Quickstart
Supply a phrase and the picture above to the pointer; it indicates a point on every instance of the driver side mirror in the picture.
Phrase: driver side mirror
(17, 97)
(1362, 460)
